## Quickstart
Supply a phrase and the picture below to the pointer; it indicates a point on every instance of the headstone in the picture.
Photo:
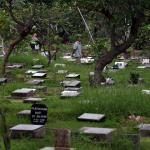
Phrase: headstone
(21, 130)
(145, 61)
(31, 71)
(72, 89)
(101, 133)
(69, 94)
(62, 71)
(23, 93)
(60, 65)
(87, 60)
(73, 75)
(39, 75)
(62, 138)
(12, 66)
(146, 92)
(69, 58)
(71, 83)
(24, 113)
(91, 117)
(3, 80)
(144, 129)
(39, 114)
(37, 66)
(121, 64)
(35, 82)
(33, 100)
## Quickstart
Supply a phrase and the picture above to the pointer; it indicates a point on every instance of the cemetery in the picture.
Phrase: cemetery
(74, 75)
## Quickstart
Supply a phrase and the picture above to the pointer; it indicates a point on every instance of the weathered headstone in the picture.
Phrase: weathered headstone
(91, 117)
(144, 129)
(33, 100)
(3, 80)
(100, 133)
(35, 82)
(23, 93)
(31, 71)
(39, 75)
(71, 83)
(37, 66)
(26, 113)
(21, 130)
(39, 114)
(69, 94)
(73, 75)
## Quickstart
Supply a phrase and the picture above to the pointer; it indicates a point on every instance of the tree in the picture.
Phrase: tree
(122, 20)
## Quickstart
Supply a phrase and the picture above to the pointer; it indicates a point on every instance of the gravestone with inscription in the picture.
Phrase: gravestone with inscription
(39, 114)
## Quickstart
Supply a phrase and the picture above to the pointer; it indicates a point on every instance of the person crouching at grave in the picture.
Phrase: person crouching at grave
(35, 43)
(77, 49)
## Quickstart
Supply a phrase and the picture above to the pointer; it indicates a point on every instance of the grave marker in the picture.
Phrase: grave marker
(37, 66)
(144, 129)
(33, 100)
(73, 75)
(3, 80)
(71, 83)
(24, 113)
(39, 114)
(35, 82)
(69, 94)
(39, 75)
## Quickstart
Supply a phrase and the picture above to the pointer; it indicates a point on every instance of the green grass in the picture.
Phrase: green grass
(117, 102)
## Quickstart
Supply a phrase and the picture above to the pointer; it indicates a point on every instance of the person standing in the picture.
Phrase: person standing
(77, 49)
(35, 44)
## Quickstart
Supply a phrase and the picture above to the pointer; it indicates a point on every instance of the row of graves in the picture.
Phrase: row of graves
(71, 87)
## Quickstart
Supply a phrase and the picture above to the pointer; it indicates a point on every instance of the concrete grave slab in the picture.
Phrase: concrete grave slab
(91, 117)
(35, 82)
(56, 148)
(69, 58)
(12, 66)
(146, 92)
(144, 129)
(37, 66)
(72, 89)
(73, 75)
(3, 80)
(23, 93)
(141, 67)
(60, 65)
(87, 60)
(71, 83)
(102, 133)
(21, 130)
(24, 113)
(33, 100)
(62, 71)
(39, 75)
(31, 71)
(69, 94)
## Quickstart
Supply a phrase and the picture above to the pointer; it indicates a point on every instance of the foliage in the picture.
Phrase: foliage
(134, 78)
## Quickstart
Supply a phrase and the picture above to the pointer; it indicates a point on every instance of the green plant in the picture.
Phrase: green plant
(134, 78)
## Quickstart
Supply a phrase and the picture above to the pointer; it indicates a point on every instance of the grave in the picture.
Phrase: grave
(121, 64)
(33, 100)
(144, 129)
(146, 92)
(100, 133)
(12, 66)
(37, 66)
(23, 93)
(61, 140)
(141, 67)
(24, 113)
(40, 88)
(35, 82)
(73, 75)
(39, 75)
(145, 61)
(69, 58)
(71, 83)
(21, 130)
(60, 65)
(31, 71)
(3, 80)
(69, 94)
(72, 89)
(62, 71)
(91, 117)
(87, 60)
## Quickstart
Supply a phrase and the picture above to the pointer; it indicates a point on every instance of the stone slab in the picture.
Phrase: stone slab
(86, 60)
(144, 130)
(33, 100)
(39, 75)
(37, 66)
(62, 71)
(31, 71)
(146, 92)
(60, 65)
(12, 66)
(35, 82)
(102, 133)
(3, 80)
(56, 148)
(24, 113)
(73, 75)
(21, 130)
(71, 83)
(23, 93)
(69, 93)
(72, 89)
(91, 117)
(141, 67)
